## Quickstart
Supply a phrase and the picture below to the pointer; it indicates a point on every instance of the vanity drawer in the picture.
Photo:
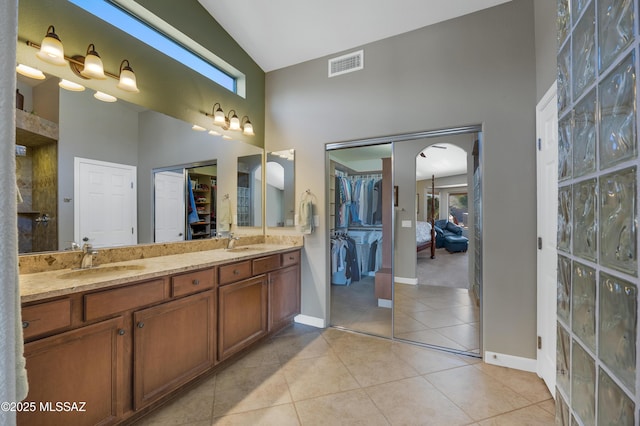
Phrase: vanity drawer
(45, 317)
(108, 302)
(291, 258)
(266, 264)
(192, 282)
(234, 272)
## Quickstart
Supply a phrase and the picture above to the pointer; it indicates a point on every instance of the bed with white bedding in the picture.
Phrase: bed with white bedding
(425, 236)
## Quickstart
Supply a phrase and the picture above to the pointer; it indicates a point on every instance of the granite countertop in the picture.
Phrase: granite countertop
(44, 285)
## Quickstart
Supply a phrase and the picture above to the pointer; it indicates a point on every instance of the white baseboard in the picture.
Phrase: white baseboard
(385, 303)
(515, 362)
(402, 280)
(308, 320)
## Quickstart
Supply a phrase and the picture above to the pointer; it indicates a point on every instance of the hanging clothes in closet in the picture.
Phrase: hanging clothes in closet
(358, 200)
(344, 260)
(368, 250)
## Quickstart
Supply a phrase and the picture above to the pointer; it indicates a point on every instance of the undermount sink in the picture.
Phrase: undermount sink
(240, 249)
(99, 270)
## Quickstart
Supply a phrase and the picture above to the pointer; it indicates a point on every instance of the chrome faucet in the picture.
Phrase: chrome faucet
(232, 241)
(87, 256)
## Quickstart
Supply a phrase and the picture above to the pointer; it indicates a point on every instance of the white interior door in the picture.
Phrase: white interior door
(169, 206)
(105, 210)
(547, 209)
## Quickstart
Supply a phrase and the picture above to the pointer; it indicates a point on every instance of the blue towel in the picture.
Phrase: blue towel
(193, 214)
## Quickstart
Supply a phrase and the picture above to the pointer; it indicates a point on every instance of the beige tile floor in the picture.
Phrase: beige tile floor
(355, 307)
(426, 313)
(441, 316)
(309, 376)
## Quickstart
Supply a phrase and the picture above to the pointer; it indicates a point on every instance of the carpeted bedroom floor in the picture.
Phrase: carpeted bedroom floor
(446, 270)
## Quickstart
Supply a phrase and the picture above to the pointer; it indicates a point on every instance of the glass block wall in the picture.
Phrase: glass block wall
(597, 334)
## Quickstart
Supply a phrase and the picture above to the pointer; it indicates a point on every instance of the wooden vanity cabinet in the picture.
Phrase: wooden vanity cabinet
(125, 348)
(173, 343)
(284, 296)
(249, 309)
(82, 366)
(242, 314)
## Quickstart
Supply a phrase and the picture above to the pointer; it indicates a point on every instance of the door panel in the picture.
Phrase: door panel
(105, 209)
(169, 207)
(547, 208)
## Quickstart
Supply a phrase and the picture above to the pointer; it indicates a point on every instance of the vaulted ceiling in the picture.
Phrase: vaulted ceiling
(280, 33)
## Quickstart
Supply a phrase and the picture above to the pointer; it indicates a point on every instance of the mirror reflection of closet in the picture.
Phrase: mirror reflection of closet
(249, 194)
(360, 209)
(185, 200)
(437, 300)
(280, 188)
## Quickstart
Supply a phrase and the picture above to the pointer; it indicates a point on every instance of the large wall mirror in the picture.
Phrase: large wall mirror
(249, 191)
(280, 188)
(117, 134)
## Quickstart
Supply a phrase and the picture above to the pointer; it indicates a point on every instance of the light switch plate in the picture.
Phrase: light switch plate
(406, 224)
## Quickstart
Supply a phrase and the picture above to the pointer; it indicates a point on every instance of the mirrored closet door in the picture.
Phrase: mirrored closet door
(437, 245)
(360, 209)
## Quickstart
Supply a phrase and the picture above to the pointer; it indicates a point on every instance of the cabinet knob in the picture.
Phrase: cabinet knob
(291, 258)
(236, 272)
(195, 282)
(121, 332)
(140, 324)
(25, 324)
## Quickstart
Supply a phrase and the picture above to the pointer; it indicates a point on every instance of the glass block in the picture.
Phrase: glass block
(615, 408)
(564, 20)
(564, 288)
(584, 52)
(564, 219)
(618, 115)
(584, 136)
(564, 149)
(583, 304)
(583, 384)
(564, 78)
(617, 327)
(615, 29)
(563, 349)
(562, 410)
(585, 226)
(577, 6)
(618, 243)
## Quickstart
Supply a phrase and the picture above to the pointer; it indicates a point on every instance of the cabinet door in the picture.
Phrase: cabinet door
(82, 366)
(284, 296)
(173, 343)
(242, 316)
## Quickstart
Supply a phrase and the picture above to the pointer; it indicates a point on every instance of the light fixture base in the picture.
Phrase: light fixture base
(77, 65)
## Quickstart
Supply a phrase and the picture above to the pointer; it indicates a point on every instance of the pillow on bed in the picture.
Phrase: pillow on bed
(423, 231)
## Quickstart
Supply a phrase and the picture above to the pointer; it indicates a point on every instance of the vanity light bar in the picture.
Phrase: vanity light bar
(230, 121)
(86, 67)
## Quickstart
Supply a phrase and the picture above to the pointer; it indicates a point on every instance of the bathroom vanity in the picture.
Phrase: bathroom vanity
(115, 341)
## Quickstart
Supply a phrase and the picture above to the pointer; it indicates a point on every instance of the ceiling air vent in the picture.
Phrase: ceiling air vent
(346, 63)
